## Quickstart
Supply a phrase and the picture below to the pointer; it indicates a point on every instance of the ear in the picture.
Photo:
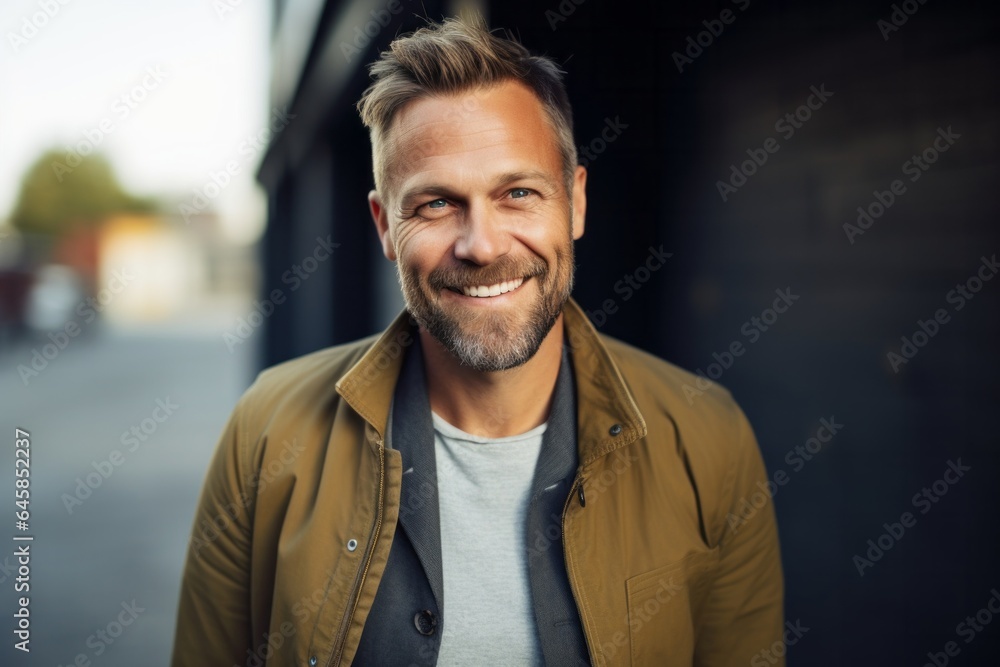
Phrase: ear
(381, 218)
(579, 200)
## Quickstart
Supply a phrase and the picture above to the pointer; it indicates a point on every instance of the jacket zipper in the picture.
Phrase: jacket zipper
(360, 580)
(576, 490)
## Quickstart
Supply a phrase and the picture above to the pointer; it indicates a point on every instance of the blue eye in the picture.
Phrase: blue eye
(520, 193)
(437, 203)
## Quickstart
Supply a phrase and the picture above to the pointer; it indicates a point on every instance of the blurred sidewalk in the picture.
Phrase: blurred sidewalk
(176, 384)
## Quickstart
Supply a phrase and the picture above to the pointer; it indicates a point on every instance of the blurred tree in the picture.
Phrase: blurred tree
(62, 192)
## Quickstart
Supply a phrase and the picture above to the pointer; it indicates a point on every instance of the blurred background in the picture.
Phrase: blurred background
(182, 203)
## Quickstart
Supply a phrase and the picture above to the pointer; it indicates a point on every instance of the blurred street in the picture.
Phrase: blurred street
(109, 548)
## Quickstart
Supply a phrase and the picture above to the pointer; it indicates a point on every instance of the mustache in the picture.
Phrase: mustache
(505, 268)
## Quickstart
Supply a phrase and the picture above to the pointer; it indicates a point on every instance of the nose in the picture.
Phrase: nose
(483, 237)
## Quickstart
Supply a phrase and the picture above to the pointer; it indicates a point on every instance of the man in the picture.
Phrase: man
(489, 481)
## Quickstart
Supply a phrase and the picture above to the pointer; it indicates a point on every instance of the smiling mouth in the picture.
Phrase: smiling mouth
(486, 291)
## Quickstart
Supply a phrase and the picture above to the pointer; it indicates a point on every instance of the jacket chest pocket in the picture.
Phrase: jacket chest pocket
(662, 606)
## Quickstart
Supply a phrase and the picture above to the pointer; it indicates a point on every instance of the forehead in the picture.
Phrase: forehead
(471, 135)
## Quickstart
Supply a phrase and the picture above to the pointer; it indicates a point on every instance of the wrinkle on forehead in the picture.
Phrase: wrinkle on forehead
(479, 127)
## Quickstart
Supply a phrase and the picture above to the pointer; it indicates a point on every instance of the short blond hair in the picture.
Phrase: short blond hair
(456, 55)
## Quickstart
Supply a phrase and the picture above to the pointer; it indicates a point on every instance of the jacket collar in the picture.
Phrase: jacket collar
(603, 400)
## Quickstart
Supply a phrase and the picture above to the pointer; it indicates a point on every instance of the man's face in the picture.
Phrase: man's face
(477, 216)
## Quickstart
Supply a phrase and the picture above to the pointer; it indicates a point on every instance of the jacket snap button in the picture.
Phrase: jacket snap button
(313, 660)
(352, 544)
(425, 621)
(616, 429)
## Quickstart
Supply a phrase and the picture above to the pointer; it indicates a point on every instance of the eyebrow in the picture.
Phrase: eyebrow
(498, 182)
(530, 175)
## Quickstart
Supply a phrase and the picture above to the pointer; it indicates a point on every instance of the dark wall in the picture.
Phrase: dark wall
(669, 137)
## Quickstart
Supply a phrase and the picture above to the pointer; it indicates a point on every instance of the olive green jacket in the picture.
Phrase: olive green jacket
(671, 555)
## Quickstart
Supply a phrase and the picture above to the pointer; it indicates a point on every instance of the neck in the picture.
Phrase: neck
(493, 404)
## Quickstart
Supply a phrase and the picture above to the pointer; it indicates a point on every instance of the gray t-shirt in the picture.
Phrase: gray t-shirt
(484, 489)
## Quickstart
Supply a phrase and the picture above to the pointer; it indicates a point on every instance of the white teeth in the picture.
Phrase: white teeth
(493, 290)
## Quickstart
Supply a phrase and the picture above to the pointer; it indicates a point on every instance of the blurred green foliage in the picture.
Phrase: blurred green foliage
(59, 194)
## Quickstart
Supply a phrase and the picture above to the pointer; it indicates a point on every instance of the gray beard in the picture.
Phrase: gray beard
(489, 342)
(497, 346)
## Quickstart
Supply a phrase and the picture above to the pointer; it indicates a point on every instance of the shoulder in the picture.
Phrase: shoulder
(308, 379)
(667, 387)
(319, 366)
